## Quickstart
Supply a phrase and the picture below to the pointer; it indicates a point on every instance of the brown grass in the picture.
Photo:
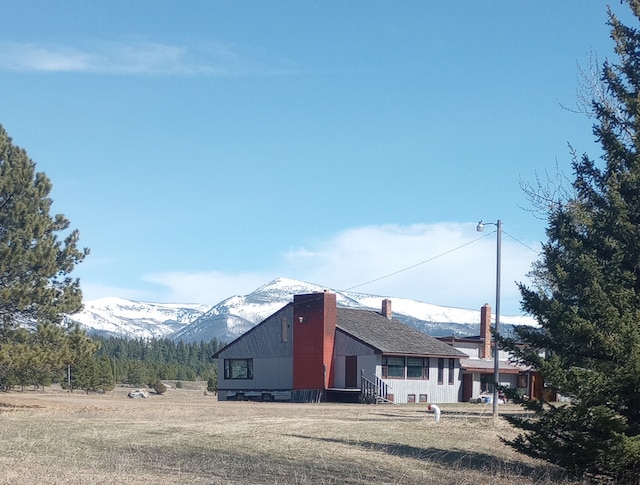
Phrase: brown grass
(185, 436)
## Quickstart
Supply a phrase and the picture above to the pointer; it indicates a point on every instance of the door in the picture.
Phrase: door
(467, 387)
(351, 372)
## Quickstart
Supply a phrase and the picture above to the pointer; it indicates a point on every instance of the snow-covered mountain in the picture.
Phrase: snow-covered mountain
(232, 317)
(131, 319)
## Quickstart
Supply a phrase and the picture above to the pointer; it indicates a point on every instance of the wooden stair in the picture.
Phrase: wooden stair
(373, 391)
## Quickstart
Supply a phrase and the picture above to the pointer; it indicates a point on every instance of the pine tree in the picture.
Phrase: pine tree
(105, 380)
(38, 251)
(48, 344)
(84, 375)
(34, 263)
(212, 382)
(586, 294)
(137, 373)
(86, 370)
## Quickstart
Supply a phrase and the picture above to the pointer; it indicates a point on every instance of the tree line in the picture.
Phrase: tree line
(38, 357)
(140, 362)
(54, 354)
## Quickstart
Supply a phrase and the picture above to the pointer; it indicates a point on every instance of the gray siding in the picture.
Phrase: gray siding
(272, 374)
(345, 345)
(436, 393)
(264, 340)
(271, 353)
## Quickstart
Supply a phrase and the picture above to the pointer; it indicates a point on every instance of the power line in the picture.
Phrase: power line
(420, 263)
(439, 256)
(520, 242)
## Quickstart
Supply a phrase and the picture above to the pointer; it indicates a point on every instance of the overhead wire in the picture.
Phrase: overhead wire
(420, 263)
(438, 256)
(520, 242)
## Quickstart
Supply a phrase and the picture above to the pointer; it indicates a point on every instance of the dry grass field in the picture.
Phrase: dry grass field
(185, 436)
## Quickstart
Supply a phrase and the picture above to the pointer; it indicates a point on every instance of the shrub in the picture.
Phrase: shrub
(178, 385)
(159, 387)
(212, 385)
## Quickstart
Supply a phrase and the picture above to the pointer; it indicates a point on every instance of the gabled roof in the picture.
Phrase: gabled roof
(391, 336)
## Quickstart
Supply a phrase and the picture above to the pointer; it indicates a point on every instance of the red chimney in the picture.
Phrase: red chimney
(386, 308)
(314, 328)
(485, 331)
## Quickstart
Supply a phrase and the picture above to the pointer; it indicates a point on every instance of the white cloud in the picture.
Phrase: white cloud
(138, 57)
(447, 264)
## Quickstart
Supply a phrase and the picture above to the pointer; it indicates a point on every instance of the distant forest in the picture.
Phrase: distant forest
(141, 362)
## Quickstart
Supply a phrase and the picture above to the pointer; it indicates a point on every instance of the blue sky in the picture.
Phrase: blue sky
(204, 148)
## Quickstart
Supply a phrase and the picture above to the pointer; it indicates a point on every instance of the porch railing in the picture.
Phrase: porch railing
(373, 391)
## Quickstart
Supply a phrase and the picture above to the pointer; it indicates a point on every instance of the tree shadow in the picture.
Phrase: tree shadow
(460, 459)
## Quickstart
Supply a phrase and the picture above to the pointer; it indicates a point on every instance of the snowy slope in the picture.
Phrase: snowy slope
(130, 319)
(232, 317)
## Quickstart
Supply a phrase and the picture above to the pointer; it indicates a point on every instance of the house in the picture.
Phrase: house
(478, 366)
(310, 350)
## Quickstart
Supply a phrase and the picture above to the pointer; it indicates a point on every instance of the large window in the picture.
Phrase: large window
(417, 368)
(238, 368)
(393, 367)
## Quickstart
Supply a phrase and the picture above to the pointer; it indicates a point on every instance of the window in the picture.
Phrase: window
(440, 370)
(417, 368)
(238, 368)
(424, 398)
(486, 382)
(522, 381)
(411, 398)
(452, 366)
(393, 367)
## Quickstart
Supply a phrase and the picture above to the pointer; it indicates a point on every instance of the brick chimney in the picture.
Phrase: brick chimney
(314, 328)
(386, 308)
(485, 331)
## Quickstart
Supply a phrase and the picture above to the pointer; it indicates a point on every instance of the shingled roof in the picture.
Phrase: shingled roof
(390, 336)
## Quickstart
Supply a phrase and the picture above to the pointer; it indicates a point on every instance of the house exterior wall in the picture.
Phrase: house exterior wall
(346, 345)
(270, 374)
(504, 355)
(269, 345)
(472, 349)
(371, 364)
(477, 385)
(481, 382)
(434, 392)
(508, 380)
(265, 340)
(300, 351)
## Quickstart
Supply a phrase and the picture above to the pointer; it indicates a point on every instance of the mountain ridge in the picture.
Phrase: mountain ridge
(233, 316)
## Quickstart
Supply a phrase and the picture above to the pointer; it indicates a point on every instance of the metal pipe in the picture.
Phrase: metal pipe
(436, 411)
